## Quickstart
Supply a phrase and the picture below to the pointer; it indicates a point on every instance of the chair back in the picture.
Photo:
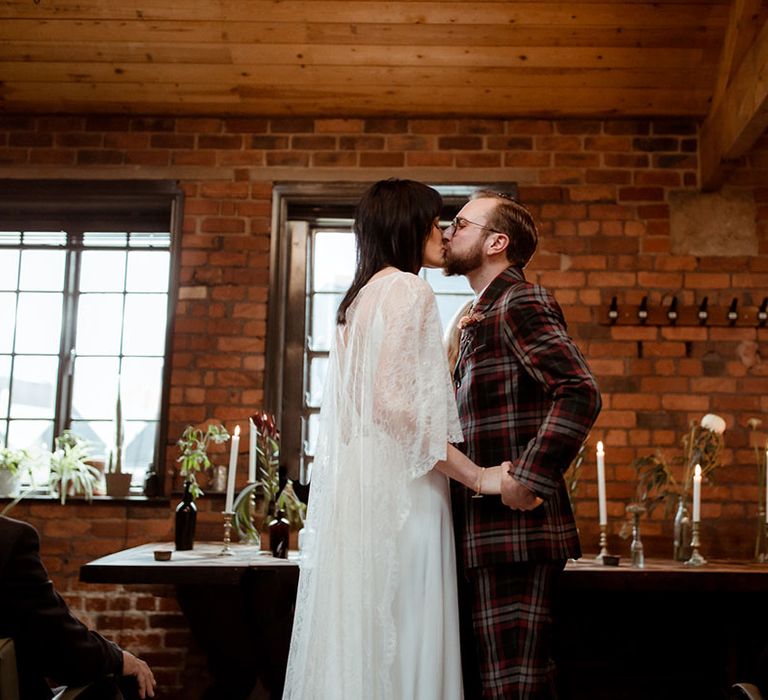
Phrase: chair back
(9, 680)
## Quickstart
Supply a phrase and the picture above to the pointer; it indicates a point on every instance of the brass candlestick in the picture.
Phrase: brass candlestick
(226, 551)
(696, 558)
(603, 542)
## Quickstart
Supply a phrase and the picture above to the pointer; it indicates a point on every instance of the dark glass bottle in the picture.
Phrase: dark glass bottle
(279, 531)
(151, 482)
(186, 517)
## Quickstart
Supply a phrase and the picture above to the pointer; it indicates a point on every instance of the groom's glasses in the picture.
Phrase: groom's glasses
(460, 222)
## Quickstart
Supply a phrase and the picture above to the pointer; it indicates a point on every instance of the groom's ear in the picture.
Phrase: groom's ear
(499, 242)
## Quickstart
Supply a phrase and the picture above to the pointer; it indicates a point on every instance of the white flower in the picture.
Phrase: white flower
(714, 423)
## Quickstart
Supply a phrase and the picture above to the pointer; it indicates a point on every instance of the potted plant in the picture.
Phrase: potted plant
(70, 472)
(118, 482)
(14, 464)
(281, 506)
(193, 444)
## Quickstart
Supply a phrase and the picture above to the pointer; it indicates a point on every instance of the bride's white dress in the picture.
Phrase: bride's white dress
(376, 610)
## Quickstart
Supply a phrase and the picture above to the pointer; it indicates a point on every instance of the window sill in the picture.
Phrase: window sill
(132, 499)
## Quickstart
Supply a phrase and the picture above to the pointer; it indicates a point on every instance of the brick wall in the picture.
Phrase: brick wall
(600, 190)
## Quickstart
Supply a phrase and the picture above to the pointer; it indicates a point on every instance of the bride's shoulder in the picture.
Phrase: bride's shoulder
(407, 282)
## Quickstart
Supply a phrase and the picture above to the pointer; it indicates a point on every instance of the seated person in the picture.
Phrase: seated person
(51, 642)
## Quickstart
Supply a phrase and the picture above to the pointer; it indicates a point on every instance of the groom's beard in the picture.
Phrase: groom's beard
(454, 264)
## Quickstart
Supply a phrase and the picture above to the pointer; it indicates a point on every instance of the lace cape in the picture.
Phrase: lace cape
(388, 412)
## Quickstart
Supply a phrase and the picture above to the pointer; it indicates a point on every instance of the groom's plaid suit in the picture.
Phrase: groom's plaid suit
(525, 394)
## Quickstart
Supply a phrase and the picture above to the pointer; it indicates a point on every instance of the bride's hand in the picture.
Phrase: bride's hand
(492, 481)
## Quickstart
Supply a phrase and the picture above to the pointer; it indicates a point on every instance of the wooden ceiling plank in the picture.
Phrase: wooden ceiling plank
(564, 14)
(303, 54)
(180, 32)
(438, 76)
(463, 100)
(740, 118)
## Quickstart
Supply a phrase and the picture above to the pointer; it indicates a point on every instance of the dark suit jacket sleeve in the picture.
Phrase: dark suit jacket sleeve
(49, 640)
(535, 331)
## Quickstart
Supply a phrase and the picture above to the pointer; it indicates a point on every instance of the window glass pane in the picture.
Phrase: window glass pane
(102, 271)
(7, 320)
(3, 436)
(58, 238)
(140, 437)
(148, 272)
(94, 389)
(9, 269)
(99, 318)
(42, 270)
(5, 383)
(317, 369)
(33, 394)
(313, 425)
(38, 323)
(112, 239)
(323, 324)
(30, 433)
(142, 382)
(334, 260)
(145, 316)
(448, 305)
(150, 240)
(440, 283)
(10, 237)
(100, 435)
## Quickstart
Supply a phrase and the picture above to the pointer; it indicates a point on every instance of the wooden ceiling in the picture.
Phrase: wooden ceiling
(369, 58)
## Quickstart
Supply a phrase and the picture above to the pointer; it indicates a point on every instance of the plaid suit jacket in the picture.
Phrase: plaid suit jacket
(525, 394)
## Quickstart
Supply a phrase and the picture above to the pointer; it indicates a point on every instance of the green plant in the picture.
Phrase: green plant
(69, 469)
(193, 444)
(16, 461)
(268, 482)
(656, 482)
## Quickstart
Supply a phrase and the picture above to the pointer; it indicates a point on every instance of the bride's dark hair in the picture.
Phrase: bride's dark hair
(392, 223)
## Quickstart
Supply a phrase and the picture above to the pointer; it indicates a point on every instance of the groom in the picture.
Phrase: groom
(525, 394)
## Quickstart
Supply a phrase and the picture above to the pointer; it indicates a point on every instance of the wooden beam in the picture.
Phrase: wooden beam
(739, 35)
(740, 118)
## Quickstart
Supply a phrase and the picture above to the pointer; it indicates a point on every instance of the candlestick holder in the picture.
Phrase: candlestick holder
(696, 558)
(761, 543)
(635, 510)
(603, 542)
(226, 550)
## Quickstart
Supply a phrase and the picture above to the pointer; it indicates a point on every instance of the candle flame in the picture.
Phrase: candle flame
(697, 470)
(600, 447)
(237, 430)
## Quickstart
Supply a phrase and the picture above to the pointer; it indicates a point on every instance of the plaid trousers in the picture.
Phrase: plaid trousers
(506, 635)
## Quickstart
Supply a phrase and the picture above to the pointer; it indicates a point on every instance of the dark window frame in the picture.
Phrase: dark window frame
(313, 203)
(120, 205)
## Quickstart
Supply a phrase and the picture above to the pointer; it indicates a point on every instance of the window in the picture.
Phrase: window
(314, 261)
(85, 303)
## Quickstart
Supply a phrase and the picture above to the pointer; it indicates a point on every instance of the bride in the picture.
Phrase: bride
(376, 611)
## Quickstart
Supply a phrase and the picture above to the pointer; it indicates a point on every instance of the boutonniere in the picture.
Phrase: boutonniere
(470, 320)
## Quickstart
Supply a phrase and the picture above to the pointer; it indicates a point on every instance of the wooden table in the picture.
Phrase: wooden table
(664, 631)
(250, 590)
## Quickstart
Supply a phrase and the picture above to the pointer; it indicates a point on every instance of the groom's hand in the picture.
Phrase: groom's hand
(515, 495)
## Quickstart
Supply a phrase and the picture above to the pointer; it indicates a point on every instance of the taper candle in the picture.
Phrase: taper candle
(251, 451)
(697, 494)
(601, 502)
(232, 470)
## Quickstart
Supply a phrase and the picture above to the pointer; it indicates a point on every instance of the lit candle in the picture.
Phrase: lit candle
(697, 494)
(232, 469)
(251, 451)
(601, 484)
